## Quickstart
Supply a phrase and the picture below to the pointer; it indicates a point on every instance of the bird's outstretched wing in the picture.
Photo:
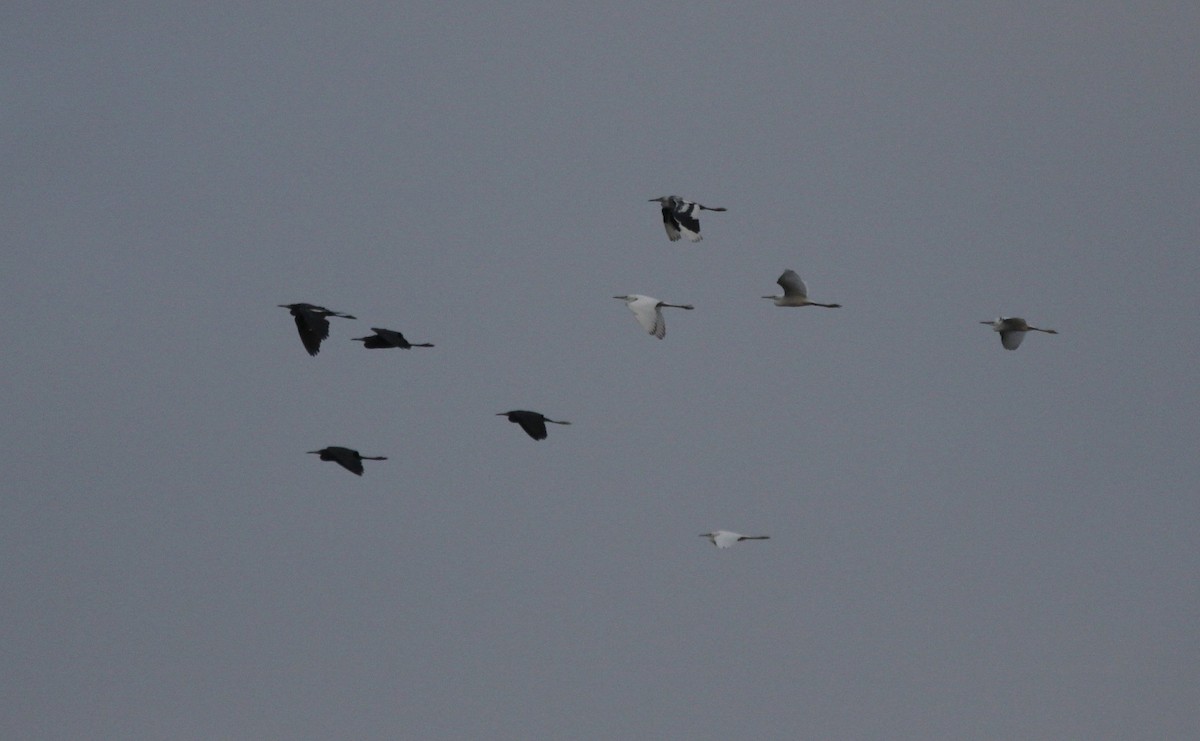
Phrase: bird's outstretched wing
(1011, 339)
(792, 285)
(533, 426)
(686, 222)
(313, 329)
(644, 311)
(669, 223)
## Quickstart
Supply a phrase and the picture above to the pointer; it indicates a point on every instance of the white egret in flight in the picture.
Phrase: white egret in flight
(725, 538)
(1012, 330)
(680, 217)
(648, 311)
(795, 293)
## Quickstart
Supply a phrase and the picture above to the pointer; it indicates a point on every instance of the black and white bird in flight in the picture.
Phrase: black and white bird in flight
(681, 218)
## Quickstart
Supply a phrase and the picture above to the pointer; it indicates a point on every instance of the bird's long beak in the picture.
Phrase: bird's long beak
(314, 452)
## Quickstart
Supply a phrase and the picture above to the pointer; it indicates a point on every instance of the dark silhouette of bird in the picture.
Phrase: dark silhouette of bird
(388, 338)
(680, 217)
(348, 459)
(533, 423)
(1012, 330)
(312, 324)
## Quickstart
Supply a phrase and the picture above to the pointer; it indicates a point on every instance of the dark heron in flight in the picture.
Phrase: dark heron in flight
(312, 324)
(795, 293)
(1012, 330)
(681, 217)
(388, 338)
(348, 459)
(533, 423)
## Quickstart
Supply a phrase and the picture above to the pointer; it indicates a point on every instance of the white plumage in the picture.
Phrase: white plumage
(648, 311)
(726, 538)
(1012, 330)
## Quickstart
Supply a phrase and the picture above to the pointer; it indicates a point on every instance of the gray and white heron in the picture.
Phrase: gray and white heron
(1012, 330)
(388, 338)
(351, 460)
(534, 423)
(648, 311)
(795, 293)
(680, 217)
(312, 324)
(725, 538)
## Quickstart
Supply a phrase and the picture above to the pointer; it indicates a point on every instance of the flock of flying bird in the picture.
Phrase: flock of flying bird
(680, 219)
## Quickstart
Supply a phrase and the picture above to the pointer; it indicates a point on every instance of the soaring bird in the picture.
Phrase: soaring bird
(795, 293)
(680, 217)
(387, 338)
(725, 538)
(1012, 330)
(312, 324)
(648, 311)
(533, 423)
(348, 459)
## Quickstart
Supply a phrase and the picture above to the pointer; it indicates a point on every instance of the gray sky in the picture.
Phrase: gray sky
(966, 543)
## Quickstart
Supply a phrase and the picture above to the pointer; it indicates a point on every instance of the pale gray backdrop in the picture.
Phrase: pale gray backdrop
(966, 543)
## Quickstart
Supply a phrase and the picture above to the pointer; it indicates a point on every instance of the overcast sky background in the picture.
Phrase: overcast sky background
(966, 542)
